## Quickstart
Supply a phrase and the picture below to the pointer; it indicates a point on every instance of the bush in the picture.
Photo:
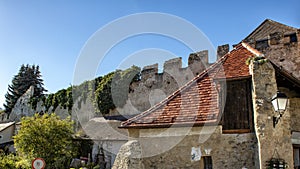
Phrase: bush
(13, 162)
(46, 137)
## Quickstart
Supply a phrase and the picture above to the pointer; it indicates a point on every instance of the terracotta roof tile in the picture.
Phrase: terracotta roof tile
(196, 103)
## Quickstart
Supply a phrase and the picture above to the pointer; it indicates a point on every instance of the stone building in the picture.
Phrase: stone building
(220, 144)
(7, 131)
(106, 136)
(103, 132)
(278, 42)
(223, 118)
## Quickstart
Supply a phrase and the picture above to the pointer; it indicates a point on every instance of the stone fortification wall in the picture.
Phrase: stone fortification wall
(154, 86)
(151, 89)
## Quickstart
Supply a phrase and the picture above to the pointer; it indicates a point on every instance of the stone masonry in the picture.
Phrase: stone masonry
(151, 89)
(278, 42)
(273, 142)
(171, 147)
(129, 156)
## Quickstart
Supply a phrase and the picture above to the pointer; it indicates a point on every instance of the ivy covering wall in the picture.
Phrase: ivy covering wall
(106, 92)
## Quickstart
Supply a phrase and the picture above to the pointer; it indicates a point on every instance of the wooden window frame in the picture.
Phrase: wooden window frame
(248, 108)
(206, 162)
(295, 146)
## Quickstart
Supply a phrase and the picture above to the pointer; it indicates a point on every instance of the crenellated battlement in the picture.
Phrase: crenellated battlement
(175, 63)
(151, 89)
(155, 86)
(222, 50)
(149, 71)
(197, 62)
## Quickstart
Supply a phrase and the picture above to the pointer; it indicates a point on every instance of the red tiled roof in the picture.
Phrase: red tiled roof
(234, 63)
(196, 103)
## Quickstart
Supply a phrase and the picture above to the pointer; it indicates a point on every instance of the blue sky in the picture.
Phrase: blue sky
(53, 33)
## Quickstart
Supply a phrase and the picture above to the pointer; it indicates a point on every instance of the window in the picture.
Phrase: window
(238, 111)
(290, 38)
(261, 44)
(293, 38)
(206, 162)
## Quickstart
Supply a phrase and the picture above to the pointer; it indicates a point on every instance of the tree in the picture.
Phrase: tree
(26, 77)
(47, 137)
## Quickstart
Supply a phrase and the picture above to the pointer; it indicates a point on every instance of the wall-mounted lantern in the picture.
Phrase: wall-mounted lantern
(279, 102)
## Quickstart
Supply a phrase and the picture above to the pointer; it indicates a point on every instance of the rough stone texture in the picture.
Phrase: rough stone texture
(151, 89)
(273, 40)
(82, 111)
(286, 55)
(129, 156)
(61, 112)
(222, 50)
(294, 107)
(155, 86)
(269, 138)
(198, 62)
(171, 148)
(266, 28)
(22, 107)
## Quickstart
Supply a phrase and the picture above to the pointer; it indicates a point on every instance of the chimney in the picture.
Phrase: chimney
(222, 50)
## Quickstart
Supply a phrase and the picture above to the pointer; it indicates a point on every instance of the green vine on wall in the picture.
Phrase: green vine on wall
(113, 90)
(106, 92)
(258, 59)
(61, 98)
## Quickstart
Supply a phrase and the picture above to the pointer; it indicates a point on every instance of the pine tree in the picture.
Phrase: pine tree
(26, 77)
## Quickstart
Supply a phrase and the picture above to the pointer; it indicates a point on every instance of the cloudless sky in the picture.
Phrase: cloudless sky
(52, 33)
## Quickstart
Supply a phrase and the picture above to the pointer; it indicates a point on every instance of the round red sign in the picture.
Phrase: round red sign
(38, 163)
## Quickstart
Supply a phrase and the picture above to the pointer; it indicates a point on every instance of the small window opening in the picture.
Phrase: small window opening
(261, 44)
(293, 38)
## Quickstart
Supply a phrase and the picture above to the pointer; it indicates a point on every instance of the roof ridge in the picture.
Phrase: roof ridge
(282, 24)
(8, 124)
(265, 21)
(251, 49)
